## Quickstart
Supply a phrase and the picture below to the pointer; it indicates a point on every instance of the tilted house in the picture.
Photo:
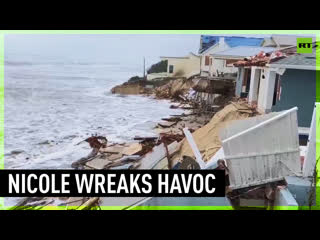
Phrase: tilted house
(213, 44)
(280, 81)
(183, 66)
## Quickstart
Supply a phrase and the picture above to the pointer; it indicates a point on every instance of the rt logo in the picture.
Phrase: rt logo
(304, 45)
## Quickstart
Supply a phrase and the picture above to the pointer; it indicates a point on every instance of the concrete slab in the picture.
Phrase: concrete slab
(300, 189)
(284, 198)
(251, 202)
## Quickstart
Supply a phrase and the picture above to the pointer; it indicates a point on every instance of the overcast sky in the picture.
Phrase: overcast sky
(100, 48)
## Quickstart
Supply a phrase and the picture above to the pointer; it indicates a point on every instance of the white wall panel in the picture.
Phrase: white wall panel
(262, 149)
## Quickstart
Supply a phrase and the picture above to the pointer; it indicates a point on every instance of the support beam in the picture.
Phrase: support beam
(309, 163)
(239, 82)
(254, 83)
(194, 148)
(269, 91)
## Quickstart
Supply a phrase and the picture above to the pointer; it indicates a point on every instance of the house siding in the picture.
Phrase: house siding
(221, 46)
(183, 67)
(298, 88)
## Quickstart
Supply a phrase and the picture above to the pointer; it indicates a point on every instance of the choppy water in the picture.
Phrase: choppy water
(51, 107)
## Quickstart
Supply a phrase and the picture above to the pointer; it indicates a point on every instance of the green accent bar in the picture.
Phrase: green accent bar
(318, 72)
(317, 124)
(1, 109)
(318, 151)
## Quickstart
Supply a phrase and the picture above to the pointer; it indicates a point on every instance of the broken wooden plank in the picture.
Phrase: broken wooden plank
(153, 157)
(124, 166)
(194, 148)
(91, 202)
(98, 163)
(124, 160)
(132, 149)
(113, 149)
(174, 147)
(145, 138)
(166, 124)
(162, 164)
(113, 157)
(213, 162)
(173, 119)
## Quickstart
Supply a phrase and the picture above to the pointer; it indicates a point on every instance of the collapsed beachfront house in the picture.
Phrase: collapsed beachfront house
(212, 44)
(263, 161)
(278, 81)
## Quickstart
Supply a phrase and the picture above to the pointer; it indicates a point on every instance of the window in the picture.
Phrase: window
(170, 68)
(210, 61)
(207, 60)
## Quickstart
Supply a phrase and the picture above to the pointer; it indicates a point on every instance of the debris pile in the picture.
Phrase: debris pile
(262, 58)
(214, 86)
(259, 196)
(207, 137)
(174, 89)
(74, 203)
(175, 125)
(96, 143)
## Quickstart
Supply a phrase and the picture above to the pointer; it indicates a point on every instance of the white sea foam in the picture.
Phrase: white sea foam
(51, 107)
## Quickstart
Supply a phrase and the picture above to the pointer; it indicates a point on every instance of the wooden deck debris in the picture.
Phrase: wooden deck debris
(122, 161)
(123, 167)
(113, 149)
(166, 124)
(98, 163)
(132, 149)
(194, 148)
(153, 157)
(116, 156)
(145, 138)
(162, 164)
(173, 119)
(82, 161)
(88, 204)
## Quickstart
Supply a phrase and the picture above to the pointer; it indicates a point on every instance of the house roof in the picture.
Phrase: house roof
(283, 40)
(242, 52)
(163, 57)
(207, 41)
(286, 58)
(186, 57)
(297, 61)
